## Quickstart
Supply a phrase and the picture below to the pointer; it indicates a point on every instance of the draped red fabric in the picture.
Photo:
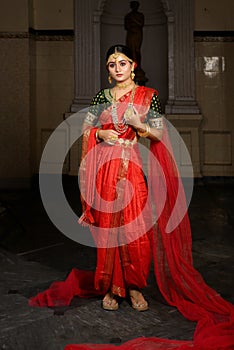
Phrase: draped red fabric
(60, 293)
(138, 344)
(180, 283)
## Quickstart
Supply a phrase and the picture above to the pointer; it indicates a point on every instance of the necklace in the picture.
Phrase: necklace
(124, 85)
(122, 126)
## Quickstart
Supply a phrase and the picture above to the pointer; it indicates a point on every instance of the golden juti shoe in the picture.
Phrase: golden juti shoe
(109, 302)
(138, 301)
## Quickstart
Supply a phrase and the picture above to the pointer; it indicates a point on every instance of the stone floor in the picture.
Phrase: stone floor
(33, 253)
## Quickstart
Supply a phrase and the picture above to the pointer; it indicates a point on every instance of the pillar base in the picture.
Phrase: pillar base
(188, 126)
(182, 107)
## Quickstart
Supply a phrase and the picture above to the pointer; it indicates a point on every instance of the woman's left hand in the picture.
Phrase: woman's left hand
(132, 117)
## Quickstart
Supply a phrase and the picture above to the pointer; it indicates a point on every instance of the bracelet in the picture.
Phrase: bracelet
(96, 135)
(144, 133)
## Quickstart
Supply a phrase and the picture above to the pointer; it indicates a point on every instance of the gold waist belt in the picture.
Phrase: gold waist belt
(123, 142)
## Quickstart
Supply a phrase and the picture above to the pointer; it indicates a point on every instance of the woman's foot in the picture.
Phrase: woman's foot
(109, 302)
(138, 301)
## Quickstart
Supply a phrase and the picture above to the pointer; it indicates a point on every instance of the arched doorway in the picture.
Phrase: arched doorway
(92, 38)
(154, 51)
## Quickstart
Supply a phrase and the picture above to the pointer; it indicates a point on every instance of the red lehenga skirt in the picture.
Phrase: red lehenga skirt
(124, 252)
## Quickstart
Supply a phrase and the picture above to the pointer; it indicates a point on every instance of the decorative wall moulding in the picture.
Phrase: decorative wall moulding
(214, 36)
(14, 35)
(40, 35)
(52, 34)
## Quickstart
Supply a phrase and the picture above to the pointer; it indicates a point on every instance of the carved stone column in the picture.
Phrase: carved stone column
(87, 53)
(181, 108)
(181, 97)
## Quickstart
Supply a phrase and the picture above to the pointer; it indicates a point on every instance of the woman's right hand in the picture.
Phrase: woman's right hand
(108, 135)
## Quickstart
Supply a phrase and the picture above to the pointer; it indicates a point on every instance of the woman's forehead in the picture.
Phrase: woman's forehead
(118, 58)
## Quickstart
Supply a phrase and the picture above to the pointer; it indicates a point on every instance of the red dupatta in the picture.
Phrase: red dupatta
(179, 282)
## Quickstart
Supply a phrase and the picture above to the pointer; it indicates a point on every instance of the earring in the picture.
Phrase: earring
(110, 79)
(132, 75)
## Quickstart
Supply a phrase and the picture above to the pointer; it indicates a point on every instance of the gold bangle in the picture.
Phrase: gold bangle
(96, 135)
(144, 133)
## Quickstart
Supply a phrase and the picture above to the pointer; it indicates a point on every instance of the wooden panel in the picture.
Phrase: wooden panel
(217, 148)
(53, 158)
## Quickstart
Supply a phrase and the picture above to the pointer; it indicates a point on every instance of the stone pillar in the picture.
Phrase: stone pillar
(87, 53)
(87, 68)
(181, 108)
(171, 68)
(181, 99)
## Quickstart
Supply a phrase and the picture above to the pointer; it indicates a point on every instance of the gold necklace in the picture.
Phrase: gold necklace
(124, 85)
(122, 126)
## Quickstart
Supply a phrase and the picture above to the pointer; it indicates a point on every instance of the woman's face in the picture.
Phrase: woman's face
(120, 68)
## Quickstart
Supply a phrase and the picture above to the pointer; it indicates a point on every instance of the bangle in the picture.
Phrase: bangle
(144, 133)
(96, 135)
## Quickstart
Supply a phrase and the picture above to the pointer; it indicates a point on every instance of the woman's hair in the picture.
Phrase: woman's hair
(121, 49)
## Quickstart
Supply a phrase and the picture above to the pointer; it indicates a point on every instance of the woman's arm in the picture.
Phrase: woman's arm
(153, 133)
(95, 109)
(152, 127)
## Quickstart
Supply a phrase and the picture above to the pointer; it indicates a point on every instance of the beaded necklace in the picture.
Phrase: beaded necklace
(122, 126)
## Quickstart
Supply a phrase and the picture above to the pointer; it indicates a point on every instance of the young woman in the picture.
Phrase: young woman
(125, 112)
(119, 206)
